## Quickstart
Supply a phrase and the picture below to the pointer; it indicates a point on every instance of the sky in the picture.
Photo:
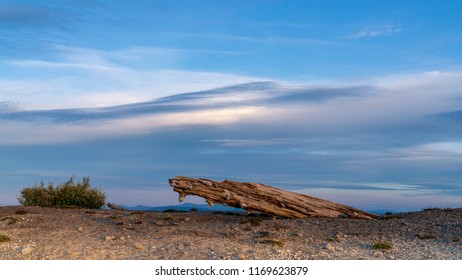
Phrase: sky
(359, 102)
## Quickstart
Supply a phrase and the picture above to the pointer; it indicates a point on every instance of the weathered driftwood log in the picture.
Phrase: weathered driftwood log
(114, 206)
(262, 198)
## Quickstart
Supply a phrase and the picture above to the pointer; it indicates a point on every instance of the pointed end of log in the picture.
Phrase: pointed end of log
(210, 203)
(182, 197)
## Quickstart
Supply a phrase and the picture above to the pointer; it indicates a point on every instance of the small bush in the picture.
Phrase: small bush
(4, 238)
(273, 242)
(425, 236)
(390, 217)
(9, 220)
(382, 246)
(68, 194)
(262, 234)
(253, 221)
(21, 212)
(430, 208)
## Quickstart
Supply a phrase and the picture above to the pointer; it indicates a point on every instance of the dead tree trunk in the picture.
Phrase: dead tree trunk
(264, 199)
(114, 206)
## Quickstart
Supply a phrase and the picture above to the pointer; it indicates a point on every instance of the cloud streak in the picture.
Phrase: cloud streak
(373, 31)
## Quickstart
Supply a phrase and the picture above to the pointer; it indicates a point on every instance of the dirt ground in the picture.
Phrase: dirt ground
(50, 233)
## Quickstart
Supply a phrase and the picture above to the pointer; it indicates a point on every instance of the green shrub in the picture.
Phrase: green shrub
(67, 194)
(273, 242)
(382, 246)
(4, 238)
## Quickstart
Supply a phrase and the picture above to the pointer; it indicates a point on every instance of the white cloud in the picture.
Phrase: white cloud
(92, 78)
(249, 142)
(23, 133)
(372, 31)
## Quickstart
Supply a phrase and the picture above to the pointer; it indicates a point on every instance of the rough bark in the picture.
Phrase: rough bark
(264, 199)
(114, 206)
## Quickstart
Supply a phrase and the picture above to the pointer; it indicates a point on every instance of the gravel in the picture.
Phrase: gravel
(50, 233)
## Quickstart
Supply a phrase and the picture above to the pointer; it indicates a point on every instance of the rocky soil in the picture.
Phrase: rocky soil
(50, 233)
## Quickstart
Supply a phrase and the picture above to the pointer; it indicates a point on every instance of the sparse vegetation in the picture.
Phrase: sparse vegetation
(253, 221)
(426, 236)
(21, 212)
(4, 238)
(68, 194)
(430, 208)
(9, 220)
(273, 242)
(382, 246)
(174, 211)
(390, 217)
(262, 234)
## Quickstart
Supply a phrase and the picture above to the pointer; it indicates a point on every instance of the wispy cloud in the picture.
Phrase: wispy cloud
(268, 108)
(93, 78)
(372, 31)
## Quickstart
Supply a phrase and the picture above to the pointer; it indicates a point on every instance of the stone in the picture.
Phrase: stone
(139, 246)
(328, 247)
(109, 238)
(26, 251)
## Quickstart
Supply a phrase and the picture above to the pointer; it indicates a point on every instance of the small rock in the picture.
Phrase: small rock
(328, 247)
(122, 238)
(80, 229)
(139, 246)
(26, 251)
(109, 238)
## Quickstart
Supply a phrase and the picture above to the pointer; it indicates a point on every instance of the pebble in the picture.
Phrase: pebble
(328, 247)
(139, 246)
(109, 238)
(26, 251)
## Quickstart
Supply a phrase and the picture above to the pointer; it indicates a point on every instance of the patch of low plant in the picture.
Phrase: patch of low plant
(247, 228)
(382, 246)
(253, 221)
(174, 211)
(390, 216)
(4, 238)
(430, 208)
(90, 212)
(21, 212)
(137, 213)
(457, 239)
(276, 243)
(68, 194)
(262, 234)
(9, 220)
(426, 236)
(334, 239)
(113, 217)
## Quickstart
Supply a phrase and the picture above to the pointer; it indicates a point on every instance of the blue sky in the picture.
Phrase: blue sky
(359, 102)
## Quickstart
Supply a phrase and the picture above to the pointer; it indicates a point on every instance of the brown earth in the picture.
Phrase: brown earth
(50, 233)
